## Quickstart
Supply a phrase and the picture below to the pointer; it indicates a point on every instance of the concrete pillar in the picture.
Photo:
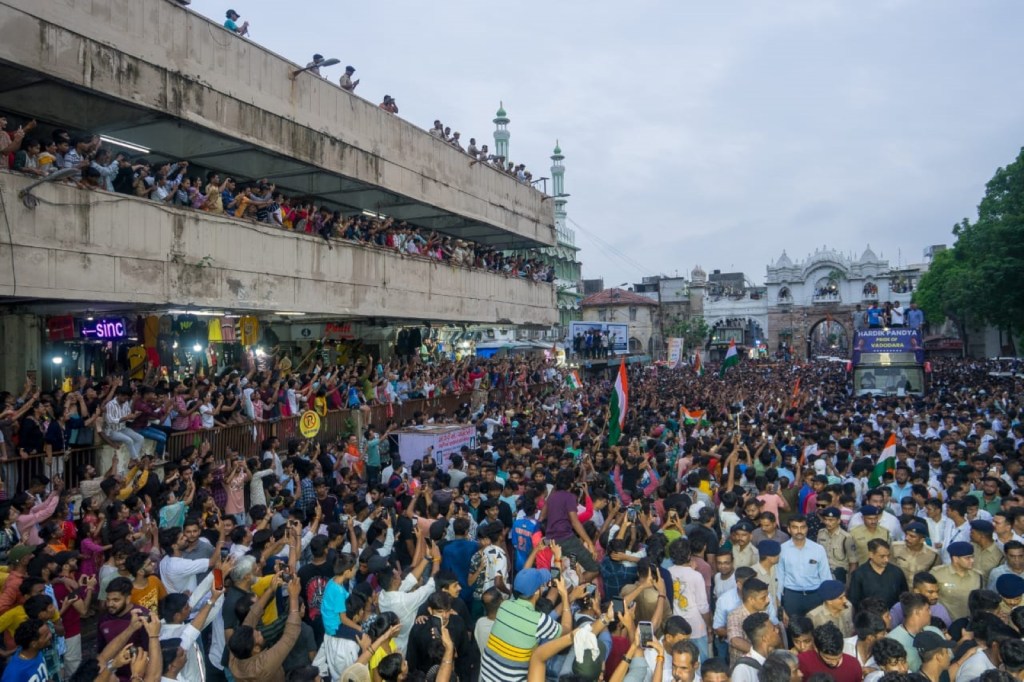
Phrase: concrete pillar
(21, 341)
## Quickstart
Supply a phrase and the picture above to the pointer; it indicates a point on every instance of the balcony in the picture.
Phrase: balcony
(79, 245)
(826, 298)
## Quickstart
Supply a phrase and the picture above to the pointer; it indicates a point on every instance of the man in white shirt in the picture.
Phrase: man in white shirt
(180, 574)
(176, 611)
(402, 596)
(117, 415)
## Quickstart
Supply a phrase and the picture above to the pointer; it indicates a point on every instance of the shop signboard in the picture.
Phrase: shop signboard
(105, 329)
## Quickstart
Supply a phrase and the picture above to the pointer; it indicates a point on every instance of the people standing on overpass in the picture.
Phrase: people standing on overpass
(346, 81)
(314, 66)
(232, 25)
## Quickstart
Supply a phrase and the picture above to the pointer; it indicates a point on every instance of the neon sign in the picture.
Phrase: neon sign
(105, 329)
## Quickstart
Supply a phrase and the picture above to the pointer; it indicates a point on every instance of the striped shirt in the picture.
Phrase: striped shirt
(518, 629)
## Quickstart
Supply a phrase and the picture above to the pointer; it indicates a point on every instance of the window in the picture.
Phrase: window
(632, 313)
(602, 314)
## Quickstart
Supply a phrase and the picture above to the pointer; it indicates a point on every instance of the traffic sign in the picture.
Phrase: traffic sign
(309, 424)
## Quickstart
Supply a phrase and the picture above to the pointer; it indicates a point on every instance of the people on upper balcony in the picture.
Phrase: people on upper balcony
(231, 23)
(346, 81)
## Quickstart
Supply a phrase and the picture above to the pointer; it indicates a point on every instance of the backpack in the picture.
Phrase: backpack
(315, 596)
(745, 660)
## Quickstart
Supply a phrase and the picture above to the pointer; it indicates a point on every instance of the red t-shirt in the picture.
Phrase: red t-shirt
(848, 671)
(72, 619)
(620, 645)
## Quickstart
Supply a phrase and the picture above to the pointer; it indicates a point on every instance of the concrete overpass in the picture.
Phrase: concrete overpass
(88, 247)
(164, 78)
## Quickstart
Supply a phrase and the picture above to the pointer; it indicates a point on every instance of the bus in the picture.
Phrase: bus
(888, 361)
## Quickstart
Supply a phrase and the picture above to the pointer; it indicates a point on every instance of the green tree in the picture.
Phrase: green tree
(948, 291)
(981, 280)
(692, 330)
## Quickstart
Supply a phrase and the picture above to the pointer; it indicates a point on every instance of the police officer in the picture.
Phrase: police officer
(957, 579)
(987, 554)
(839, 545)
(912, 555)
(871, 530)
(1010, 588)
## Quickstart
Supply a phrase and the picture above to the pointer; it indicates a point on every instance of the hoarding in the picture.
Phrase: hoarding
(887, 344)
(618, 334)
(443, 441)
(675, 352)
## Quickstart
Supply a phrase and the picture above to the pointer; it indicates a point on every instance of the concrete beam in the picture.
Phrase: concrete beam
(173, 61)
(79, 245)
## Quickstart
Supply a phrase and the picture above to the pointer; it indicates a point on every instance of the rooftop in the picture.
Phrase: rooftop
(614, 297)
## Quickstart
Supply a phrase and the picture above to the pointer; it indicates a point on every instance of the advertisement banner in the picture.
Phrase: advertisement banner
(618, 334)
(675, 352)
(445, 441)
(890, 340)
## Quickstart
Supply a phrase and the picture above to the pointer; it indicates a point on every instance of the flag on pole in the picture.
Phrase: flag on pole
(887, 462)
(618, 405)
(732, 358)
(795, 402)
(698, 366)
(573, 380)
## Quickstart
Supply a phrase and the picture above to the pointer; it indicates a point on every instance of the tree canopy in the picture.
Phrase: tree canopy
(692, 330)
(981, 279)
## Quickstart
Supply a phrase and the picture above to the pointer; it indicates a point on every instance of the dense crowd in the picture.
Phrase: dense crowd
(93, 166)
(772, 536)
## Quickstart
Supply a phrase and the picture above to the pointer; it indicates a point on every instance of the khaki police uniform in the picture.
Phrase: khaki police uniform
(954, 588)
(843, 620)
(767, 576)
(747, 556)
(912, 563)
(862, 536)
(841, 550)
(987, 559)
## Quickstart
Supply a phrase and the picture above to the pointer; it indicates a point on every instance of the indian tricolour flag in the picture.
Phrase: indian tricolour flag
(887, 462)
(573, 381)
(698, 366)
(692, 416)
(618, 405)
(732, 358)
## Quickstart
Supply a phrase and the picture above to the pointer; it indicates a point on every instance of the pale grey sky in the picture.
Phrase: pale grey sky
(716, 133)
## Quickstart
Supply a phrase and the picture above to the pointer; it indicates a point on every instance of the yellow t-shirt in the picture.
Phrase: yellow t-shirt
(258, 588)
(137, 362)
(213, 334)
(378, 655)
(12, 618)
(250, 328)
(150, 595)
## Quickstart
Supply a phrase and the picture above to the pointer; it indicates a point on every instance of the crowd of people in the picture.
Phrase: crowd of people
(593, 344)
(781, 535)
(888, 314)
(93, 166)
(482, 153)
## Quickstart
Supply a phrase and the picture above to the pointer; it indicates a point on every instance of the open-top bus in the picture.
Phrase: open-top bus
(888, 361)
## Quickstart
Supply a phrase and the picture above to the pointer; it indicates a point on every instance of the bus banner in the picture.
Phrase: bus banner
(889, 340)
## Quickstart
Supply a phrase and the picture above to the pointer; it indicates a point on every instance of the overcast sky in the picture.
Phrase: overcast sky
(711, 133)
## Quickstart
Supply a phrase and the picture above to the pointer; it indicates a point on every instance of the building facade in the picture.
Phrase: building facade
(626, 307)
(86, 262)
(811, 303)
